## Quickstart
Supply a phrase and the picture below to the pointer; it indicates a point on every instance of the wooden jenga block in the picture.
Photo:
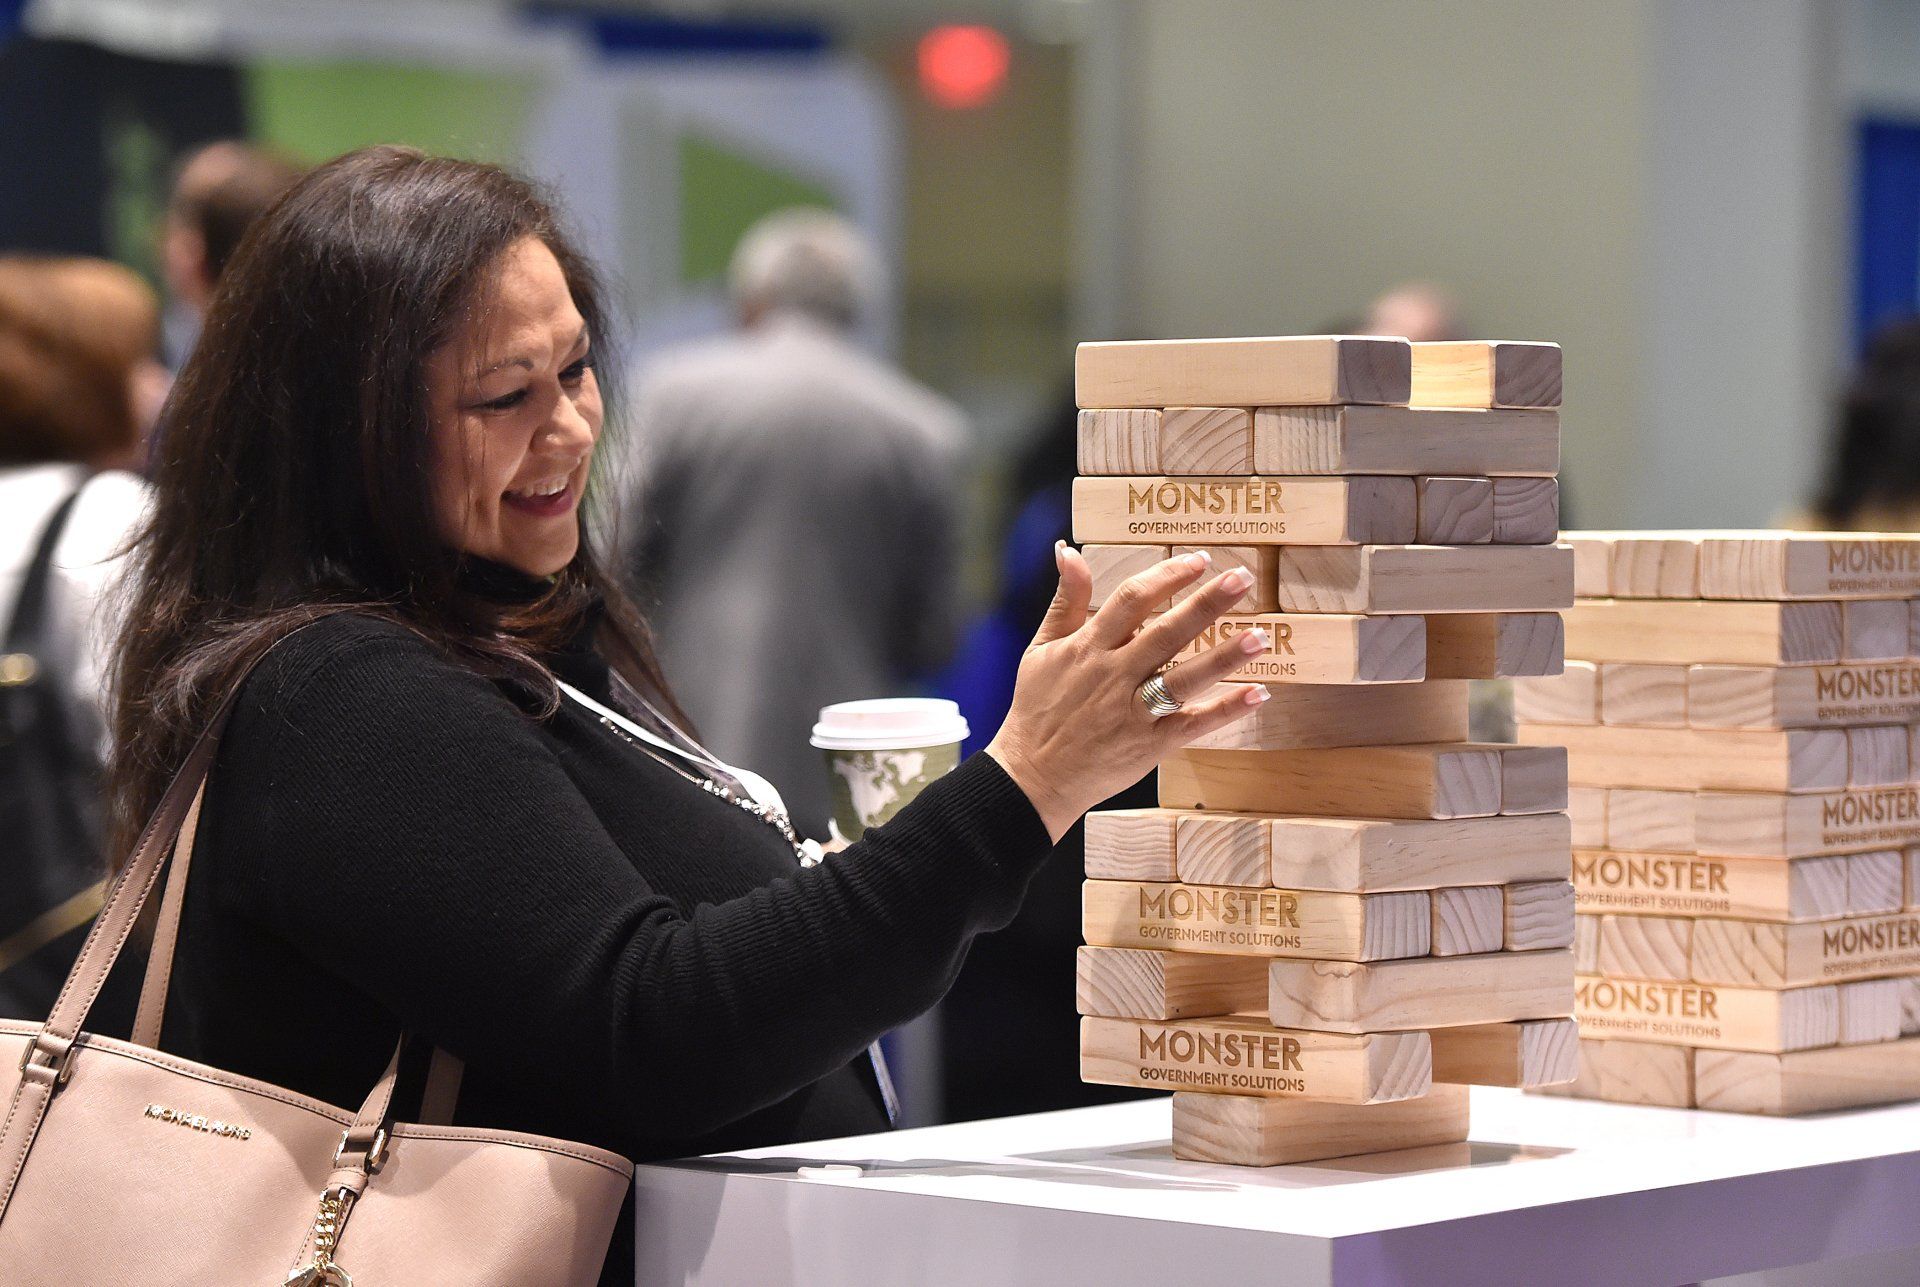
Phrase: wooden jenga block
(1467, 920)
(1532, 1052)
(1910, 863)
(1786, 565)
(1877, 756)
(1299, 716)
(1683, 884)
(1130, 844)
(1255, 922)
(1325, 648)
(1206, 440)
(1405, 440)
(1587, 812)
(1639, 1072)
(1874, 630)
(1586, 944)
(1245, 1056)
(1492, 645)
(1246, 1130)
(1245, 510)
(1796, 760)
(1650, 820)
(1809, 1081)
(1132, 983)
(1767, 955)
(1113, 564)
(1570, 697)
(1454, 510)
(1526, 511)
(1425, 578)
(1875, 883)
(1365, 855)
(1432, 781)
(1913, 628)
(1591, 578)
(1119, 441)
(1683, 632)
(1538, 915)
(1803, 696)
(1291, 370)
(1258, 560)
(1785, 826)
(1485, 373)
(1643, 695)
(1645, 947)
(1706, 1016)
(1909, 1004)
(1223, 849)
(1533, 779)
(1645, 566)
(1434, 992)
(1869, 1011)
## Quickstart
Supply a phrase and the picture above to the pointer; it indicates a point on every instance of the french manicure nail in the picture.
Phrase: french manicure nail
(1253, 641)
(1199, 562)
(1257, 695)
(1238, 581)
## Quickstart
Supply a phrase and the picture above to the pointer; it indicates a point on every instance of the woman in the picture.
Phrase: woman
(1873, 469)
(388, 425)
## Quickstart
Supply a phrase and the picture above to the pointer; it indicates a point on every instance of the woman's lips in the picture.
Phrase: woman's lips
(542, 506)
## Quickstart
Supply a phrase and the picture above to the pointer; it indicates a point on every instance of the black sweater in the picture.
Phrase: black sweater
(619, 957)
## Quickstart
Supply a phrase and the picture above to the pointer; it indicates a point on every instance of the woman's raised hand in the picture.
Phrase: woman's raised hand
(1078, 730)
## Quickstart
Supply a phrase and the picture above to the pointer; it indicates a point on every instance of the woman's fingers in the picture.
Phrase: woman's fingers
(1122, 615)
(1068, 611)
(1172, 631)
(1194, 676)
(1214, 710)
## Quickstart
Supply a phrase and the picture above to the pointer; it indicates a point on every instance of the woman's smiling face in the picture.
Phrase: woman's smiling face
(515, 414)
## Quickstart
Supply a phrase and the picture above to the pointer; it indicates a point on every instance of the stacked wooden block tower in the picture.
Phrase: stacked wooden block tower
(1343, 913)
(1743, 721)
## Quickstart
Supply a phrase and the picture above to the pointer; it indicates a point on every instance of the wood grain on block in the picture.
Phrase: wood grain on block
(1639, 1072)
(1646, 947)
(1205, 440)
(1875, 883)
(1869, 1011)
(1885, 692)
(1591, 554)
(1538, 915)
(1809, 1081)
(1346, 996)
(1684, 884)
(1650, 821)
(1245, 510)
(1425, 578)
(1223, 849)
(1586, 944)
(1130, 844)
(1526, 511)
(1533, 779)
(1913, 628)
(1492, 645)
(1683, 632)
(1654, 567)
(1324, 648)
(1119, 441)
(1798, 760)
(1426, 781)
(1132, 983)
(1911, 865)
(1255, 922)
(1877, 755)
(1454, 510)
(1643, 694)
(1298, 716)
(1587, 811)
(1909, 1005)
(1789, 565)
(1405, 440)
(1786, 826)
(1768, 955)
(1706, 1016)
(1246, 1130)
(1365, 855)
(1485, 373)
(1468, 920)
(1570, 697)
(1113, 564)
(1873, 630)
(1246, 1056)
(1531, 1052)
(1257, 560)
(1291, 370)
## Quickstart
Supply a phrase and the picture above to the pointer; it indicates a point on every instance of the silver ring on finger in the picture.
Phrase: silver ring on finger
(1159, 702)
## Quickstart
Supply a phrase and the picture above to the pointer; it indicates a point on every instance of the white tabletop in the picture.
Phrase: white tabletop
(1548, 1190)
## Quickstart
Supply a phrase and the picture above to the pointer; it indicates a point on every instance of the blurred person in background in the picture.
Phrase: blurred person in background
(1873, 472)
(1420, 311)
(219, 190)
(793, 515)
(77, 384)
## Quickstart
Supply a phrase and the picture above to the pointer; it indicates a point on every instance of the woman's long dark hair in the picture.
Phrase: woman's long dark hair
(1876, 458)
(293, 476)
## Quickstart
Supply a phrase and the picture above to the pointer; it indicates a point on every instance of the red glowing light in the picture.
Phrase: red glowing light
(963, 66)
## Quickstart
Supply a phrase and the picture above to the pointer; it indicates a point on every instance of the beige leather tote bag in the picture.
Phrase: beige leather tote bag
(120, 1164)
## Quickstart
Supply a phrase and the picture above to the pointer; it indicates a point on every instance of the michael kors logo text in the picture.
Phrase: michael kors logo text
(195, 1122)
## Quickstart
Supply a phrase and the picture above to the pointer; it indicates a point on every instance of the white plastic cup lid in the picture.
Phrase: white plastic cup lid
(888, 724)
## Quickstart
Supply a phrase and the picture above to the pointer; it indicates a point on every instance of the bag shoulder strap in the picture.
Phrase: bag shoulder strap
(27, 630)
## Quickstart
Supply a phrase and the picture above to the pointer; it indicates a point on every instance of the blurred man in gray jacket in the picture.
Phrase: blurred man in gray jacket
(791, 518)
